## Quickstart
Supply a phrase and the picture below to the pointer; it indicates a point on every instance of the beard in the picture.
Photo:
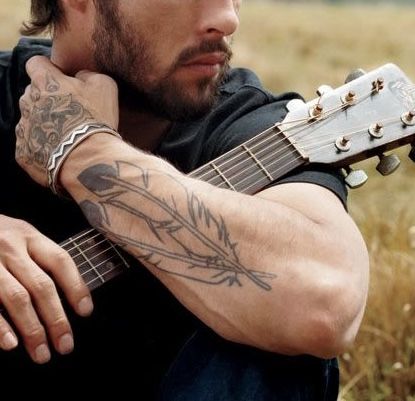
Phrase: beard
(128, 57)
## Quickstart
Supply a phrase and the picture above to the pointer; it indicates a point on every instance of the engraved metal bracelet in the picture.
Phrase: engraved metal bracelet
(71, 141)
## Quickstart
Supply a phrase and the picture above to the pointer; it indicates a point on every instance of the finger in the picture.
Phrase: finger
(20, 130)
(8, 339)
(48, 304)
(23, 103)
(17, 302)
(38, 66)
(85, 75)
(56, 261)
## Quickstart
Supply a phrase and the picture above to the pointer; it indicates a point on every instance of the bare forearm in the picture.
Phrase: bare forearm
(219, 252)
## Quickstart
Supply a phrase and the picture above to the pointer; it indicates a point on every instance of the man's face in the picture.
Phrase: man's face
(168, 56)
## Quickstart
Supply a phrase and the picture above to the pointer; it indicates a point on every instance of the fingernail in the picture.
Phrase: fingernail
(85, 306)
(9, 341)
(66, 344)
(42, 354)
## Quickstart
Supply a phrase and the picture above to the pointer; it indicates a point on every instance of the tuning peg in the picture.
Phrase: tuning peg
(294, 104)
(388, 164)
(412, 153)
(354, 75)
(355, 178)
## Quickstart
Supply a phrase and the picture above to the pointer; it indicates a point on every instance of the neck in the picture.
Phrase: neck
(142, 130)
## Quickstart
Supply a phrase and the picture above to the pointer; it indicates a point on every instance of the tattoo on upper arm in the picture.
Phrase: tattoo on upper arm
(190, 242)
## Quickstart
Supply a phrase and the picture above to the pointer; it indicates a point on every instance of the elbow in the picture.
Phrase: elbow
(334, 325)
(330, 336)
(321, 318)
(327, 327)
(323, 337)
(339, 305)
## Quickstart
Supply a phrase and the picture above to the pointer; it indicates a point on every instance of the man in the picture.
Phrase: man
(236, 297)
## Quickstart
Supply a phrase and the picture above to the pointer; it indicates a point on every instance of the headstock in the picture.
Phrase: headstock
(369, 115)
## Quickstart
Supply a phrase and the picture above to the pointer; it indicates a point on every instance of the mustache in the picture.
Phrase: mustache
(205, 47)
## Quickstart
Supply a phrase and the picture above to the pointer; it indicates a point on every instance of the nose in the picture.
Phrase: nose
(220, 17)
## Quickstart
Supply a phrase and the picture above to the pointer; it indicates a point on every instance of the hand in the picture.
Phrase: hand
(29, 295)
(55, 104)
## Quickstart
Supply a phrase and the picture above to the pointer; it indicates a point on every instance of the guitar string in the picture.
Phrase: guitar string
(281, 168)
(266, 140)
(76, 245)
(88, 283)
(99, 274)
(271, 154)
(302, 122)
(355, 131)
(80, 235)
(95, 255)
(325, 144)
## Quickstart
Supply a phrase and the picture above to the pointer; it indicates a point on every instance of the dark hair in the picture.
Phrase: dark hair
(45, 15)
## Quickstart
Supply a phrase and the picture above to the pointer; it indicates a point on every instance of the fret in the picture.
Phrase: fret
(254, 164)
(260, 165)
(125, 262)
(92, 266)
(98, 259)
(216, 168)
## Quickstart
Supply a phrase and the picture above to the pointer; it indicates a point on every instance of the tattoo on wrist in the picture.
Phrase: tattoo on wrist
(187, 241)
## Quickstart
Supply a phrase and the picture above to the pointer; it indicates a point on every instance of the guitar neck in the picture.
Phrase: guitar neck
(247, 169)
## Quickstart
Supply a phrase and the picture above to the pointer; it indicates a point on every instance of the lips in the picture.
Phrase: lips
(210, 59)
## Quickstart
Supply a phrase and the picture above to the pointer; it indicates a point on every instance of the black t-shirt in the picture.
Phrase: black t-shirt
(132, 341)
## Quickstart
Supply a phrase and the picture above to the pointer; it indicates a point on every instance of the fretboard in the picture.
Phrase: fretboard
(247, 169)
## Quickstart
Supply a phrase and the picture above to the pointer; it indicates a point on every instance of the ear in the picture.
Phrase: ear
(77, 6)
(79, 14)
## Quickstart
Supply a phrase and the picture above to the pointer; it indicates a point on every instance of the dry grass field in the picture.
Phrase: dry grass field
(299, 47)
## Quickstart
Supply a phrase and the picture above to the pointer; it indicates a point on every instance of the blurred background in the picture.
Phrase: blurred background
(298, 46)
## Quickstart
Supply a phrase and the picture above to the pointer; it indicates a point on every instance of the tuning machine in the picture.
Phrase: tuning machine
(354, 178)
(349, 98)
(408, 118)
(388, 164)
(354, 75)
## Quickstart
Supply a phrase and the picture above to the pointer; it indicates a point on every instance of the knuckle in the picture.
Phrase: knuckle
(4, 326)
(34, 334)
(59, 325)
(18, 297)
(5, 242)
(62, 257)
(14, 228)
(22, 225)
(43, 286)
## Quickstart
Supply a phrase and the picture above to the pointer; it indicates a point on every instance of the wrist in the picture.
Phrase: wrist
(71, 144)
